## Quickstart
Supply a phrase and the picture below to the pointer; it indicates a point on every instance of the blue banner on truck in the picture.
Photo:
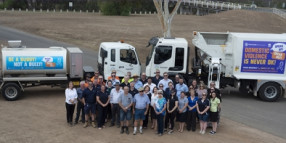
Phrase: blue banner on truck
(34, 62)
(263, 57)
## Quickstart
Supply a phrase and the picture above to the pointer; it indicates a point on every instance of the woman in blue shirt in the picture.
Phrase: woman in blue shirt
(102, 99)
(182, 109)
(192, 113)
(203, 105)
(160, 110)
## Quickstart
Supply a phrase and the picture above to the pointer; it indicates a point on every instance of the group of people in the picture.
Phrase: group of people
(157, 98)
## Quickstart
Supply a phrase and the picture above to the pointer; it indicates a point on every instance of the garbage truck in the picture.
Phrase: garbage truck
(23, 67)
(252, 62)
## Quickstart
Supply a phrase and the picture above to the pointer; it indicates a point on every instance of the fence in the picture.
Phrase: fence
(279, 13)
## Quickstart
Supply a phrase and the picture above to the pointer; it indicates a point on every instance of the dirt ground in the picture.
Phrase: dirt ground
(41, 118)
(89, 30)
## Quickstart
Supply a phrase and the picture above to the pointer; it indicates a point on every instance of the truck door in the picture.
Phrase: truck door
(128, 62)
(110, 63)
(163, 59)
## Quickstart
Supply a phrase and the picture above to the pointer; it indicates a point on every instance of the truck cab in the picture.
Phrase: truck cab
(167, 55)
(118, 56)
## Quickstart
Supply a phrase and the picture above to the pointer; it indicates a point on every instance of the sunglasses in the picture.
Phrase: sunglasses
(140, 91)
(191, 88)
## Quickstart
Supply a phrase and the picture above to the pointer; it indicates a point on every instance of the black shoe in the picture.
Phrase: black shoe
(75, 122)
(111, 125)
(70, 124)
(122, 130)
(127, 130)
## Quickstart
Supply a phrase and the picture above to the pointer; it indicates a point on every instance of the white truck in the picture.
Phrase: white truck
(27, 67)
(252, 62)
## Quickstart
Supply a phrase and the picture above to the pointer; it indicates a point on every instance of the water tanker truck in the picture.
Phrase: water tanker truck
(23, 67)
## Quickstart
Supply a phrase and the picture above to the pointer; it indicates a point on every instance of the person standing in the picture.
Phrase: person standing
(192, 112)
(71, 100)
(201, 90)
(182, 109)
(156, 79)
(150, 84)
(113, 75)
(181, 87)
(132, 90)
(141, 106)
(165, 81)
(137, 83)
(125, 102)
(143, 78)
(160, 110)
(102, 99)
(80, 106)
(148, 93)
(113, 79)
(108, 91)
(89, 101)
(176, 81)
(114, 96)
(203, 106)
(154, 98)
(169, 89)
(125, 83)
(195, 85)
(215, 105)
(172, 105)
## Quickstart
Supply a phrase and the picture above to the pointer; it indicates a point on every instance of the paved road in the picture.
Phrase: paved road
(269, 117)
(251, 111)
(33, 41)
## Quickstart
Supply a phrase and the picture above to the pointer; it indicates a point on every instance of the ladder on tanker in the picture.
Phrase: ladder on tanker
(214, 72)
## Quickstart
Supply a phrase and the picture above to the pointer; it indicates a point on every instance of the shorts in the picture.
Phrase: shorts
(89, 108)
(181, 117)
(125, 115)
(204, 117)
(213, 116)
(139, 114)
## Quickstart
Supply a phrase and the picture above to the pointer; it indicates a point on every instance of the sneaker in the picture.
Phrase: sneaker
(141, 131)
(212, 132)
(93, 124)
(85, 125)
(170, 132)
(122, 130)
(134, 132)
(203, 132)
(127, 130)
(160, 134)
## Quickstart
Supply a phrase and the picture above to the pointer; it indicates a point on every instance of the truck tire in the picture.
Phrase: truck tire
(11, 91)
(270, 91)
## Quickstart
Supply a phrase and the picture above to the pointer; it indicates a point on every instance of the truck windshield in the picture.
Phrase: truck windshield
(150, 55)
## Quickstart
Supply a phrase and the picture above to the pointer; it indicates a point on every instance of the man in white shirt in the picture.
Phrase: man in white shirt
(165, 81)
(114, 96)
(150, 84)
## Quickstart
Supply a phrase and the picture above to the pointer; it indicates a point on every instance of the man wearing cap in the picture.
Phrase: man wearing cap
(150, 84)
(113, 74)
(165, 81)
(156, 79)
(141, 106)
(181, 87)
(137, 83)
(114, 96)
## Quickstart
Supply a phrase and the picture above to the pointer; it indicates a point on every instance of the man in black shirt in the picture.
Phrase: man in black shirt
(156, 79)
(143, 78)
(89, 100)
(132, 89)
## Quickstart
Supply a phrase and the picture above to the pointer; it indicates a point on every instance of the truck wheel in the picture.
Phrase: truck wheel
(270, 91)
(11, 91)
